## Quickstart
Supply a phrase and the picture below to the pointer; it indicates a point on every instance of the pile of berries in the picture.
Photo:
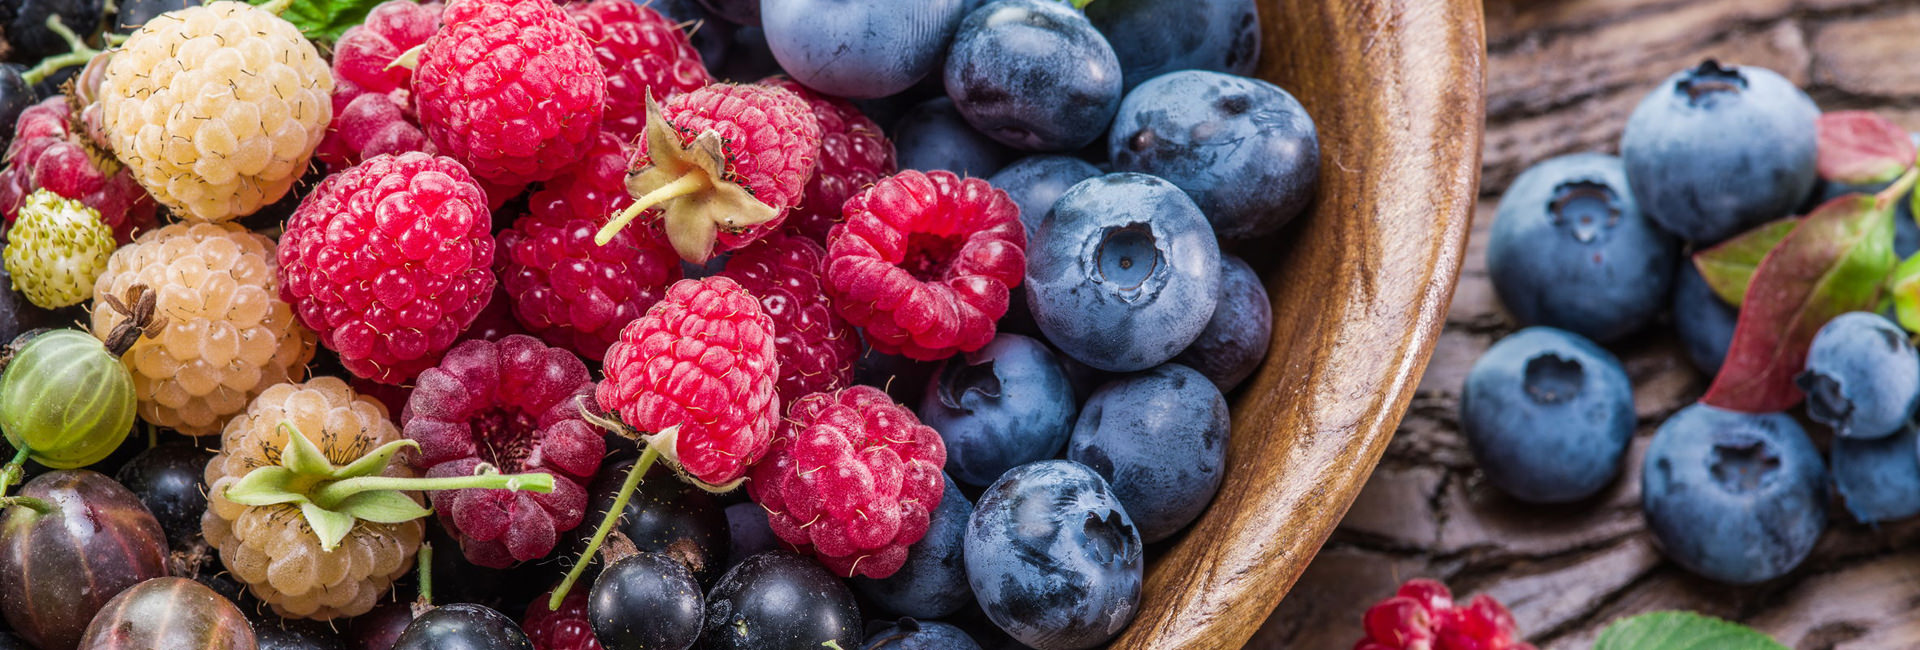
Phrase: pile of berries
(530, 281)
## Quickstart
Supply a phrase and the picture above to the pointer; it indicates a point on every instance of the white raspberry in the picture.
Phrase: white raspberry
(216, 109)
(228, 335)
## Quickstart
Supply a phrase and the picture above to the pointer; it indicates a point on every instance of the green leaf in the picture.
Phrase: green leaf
(375, 461)
(264, 486)
(1836, 261)
(382, 507)
(1729, 265)
(301, 456)
(325, 20)
(1681, 631)
(329, 526)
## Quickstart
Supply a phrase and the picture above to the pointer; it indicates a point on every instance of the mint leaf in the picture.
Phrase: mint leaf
(325, 20)
(1729, 265)
(1837, 260)
(1862, 148)
(1681, 631)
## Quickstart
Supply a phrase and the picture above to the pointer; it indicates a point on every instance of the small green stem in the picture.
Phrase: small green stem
(331, 494)
(425, 570)
(682, 186)
(37, 505)
(74, 42)
(634, 476)
(80, 53)
(12, 471)
(1898, 188)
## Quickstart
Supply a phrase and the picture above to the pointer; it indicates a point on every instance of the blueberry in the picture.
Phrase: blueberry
(26, 29)
(1571, 249)
(645, 600)
(1705, 322)
(933, 582)
(748, 56)
(1006, 404)
(1879, 479)
(1154, 37)
(860, 48)
(1236, 338)
(1717, 149)
(1547, 415)
(15, 96)
(743, 12)
(1736, 497)
(933, 136)
(1053, 557)
(1035, 182)
(750, 533)
(1123, 273)
(909, 634)
(780, 601)
(1862, 376)
(1245, 149)
(1160, 439)
(134, 13)
(1034, 75)
(709, 35)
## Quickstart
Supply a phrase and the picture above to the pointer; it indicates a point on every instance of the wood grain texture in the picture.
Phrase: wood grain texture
(1360, 294)
(1562, 76)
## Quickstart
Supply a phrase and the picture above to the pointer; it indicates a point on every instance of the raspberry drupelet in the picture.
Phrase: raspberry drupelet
(644, 55)
(372, 99)
(389, 261)
(228, 334)
(852, 478)
(515, 405)
(720, 167)
(510, 88)
(924, 263)
(571, 292)
(817, 348)
(308, 508)
(854, 154)
(694, 379)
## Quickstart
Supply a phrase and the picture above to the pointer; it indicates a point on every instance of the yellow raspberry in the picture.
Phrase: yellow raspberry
(56, 249)
(216, 109)
(228, 335)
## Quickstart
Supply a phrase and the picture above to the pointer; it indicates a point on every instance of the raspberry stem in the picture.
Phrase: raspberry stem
(692, 181)
(333, 493)
(635, 475)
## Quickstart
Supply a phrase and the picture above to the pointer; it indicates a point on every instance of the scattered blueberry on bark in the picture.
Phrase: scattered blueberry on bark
(1862, 376)
(1053, 557)
(1879, 479)
(1245, 149)
(1717, 149)
(1571, 249)
(1547, 415)
(1736, 497)
(1159, 438)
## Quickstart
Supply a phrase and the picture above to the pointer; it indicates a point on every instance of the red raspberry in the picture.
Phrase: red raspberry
(372, 107)
(571, 292)
(703, 360)
(496, 320)
(851, 479)
(565, 629)
(644, 54)
(389, 261)
(1422, 616)
(510, 88)
(514, 405)
(817, 348)
(854, 154)
(720, 166)
(925, 261)
(47, 153)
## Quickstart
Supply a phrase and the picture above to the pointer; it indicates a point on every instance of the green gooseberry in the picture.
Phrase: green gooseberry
(66, 398)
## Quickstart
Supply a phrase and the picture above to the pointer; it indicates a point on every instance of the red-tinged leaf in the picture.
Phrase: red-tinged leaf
(1862, 148)
(1905, 287)
(1729, 265)
(1836, 261)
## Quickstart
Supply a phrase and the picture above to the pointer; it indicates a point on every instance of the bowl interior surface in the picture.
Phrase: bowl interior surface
(1360, 288)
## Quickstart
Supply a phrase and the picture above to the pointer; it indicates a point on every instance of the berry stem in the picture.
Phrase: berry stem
(331, 494)
(692, 181)
(13, 469)
(30, 503)
(425, 569)
(80, 53)
(634, 476)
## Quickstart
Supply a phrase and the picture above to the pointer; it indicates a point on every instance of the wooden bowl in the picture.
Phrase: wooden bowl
(1360, 290)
